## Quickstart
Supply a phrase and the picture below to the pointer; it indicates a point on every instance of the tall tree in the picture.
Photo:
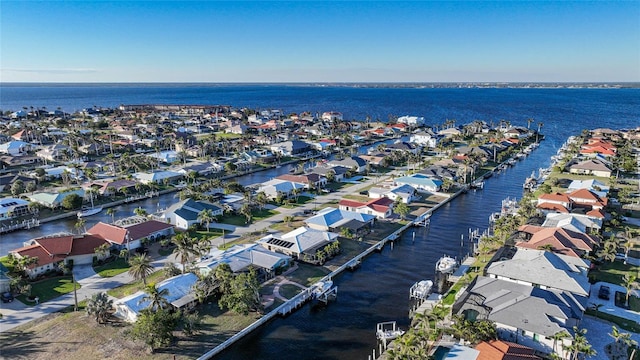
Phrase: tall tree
(206, 216)
(140, 268)
(185, 248)
(157, 298)
(100, 306)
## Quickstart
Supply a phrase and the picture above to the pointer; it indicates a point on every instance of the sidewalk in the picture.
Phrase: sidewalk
(16, 313)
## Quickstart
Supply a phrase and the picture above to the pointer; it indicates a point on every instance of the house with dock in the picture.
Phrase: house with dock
(332, 219)
(185, 213)
(381, 207)
(421, 182)
(132, 235)
(299, 242)
(241, 257)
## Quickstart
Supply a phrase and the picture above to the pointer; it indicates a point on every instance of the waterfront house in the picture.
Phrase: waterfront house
(13, 207)
(131, 236)
(440, 171)
(354, 162)
(561, 241)
(52, 250)
(158, 177)
(415, 121)
(375, 159)
(53, 200)
(546, 270)
(185, 213)
(279, 188)
(419, 182)
(587, 199)
(332, 219)
(555, 199)
(54, 152)
(576, 222)
(180, 295)
(592, 185)
(424, 138)
(381, 207)
(404, 193)
(523, 314)
(591, 167)
(242, 257)
(338, 172)
(309, 181)
(290, 148)
(299, 242)
(167, 157)
(10, 160)
(111, 187)
(504, 350)
(331, 116)
(404, 147)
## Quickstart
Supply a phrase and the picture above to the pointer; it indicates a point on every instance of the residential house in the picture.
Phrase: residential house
(546, 270)
(332, 219)
(290, 148)
(561, 241)
(180, 295)
(575, 222)
(404, 146)
(375, 159)
(504, 350)
(592, 185)
(354, 162)
(10, 160)
(13, 207)
(131, 237)
(203, 168)
(555, 199)
(54, 152)
(158, 177)
(52, 250)
(419, 182)
(406, 193)
(325, 172)
(53, 200)
(111, 187)
(279, 188)
(185, 213)
(450, 132)
(424, 138)
(586, 199)
(331, 116)
(524, 314)
(309, 181)
(440, 172)
(381, 208)
(591, 167)
(299, 243)
(241, 258)
(15, 148)
(167, 156)
(7, 180)
(411, 120)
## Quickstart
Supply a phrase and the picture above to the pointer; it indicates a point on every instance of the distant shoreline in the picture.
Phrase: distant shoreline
(393, 85)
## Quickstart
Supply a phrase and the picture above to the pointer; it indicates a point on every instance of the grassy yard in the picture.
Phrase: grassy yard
(289, 290)
(623, 323)
(222, 135)
(6, 263)
(382, 229)
(112, 268)
(360, 198)
(301, 201)
(308, 274)
(48, 289)
(128, 289)
(337, 185)
(241, 220)
(612, 272)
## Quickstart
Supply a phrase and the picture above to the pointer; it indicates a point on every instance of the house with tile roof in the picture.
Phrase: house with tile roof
(180, 295)
(332, 219)
(131, 236)
(504, 350)
(523, 314)
(587, 199)
(381, 207)
(591, 167)
(299, 242)
(546, 270)
(561, 241)
(185, 213)
(592, 185)
(52, 250)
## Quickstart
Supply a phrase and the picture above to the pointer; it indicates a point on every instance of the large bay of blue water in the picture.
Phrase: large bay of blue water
(378, 291)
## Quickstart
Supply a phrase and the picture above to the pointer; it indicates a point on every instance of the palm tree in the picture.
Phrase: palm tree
(156, 298)
(67, 268)
(629, 283)
(112, 213)
(80, 225)
(288, 219)
(140, 268)
(206, 216)
(185, 248)
(246, 211)
(100, 305)
(102, 251)
(140, 211)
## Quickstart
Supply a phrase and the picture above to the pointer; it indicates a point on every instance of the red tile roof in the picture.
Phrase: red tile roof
(37, 251)
(301, 179)
(585, 196)
(112, 233)
(504, 350)
(596, 213)
(553, 207)
(555, 197)
(379, 205)
(562, 240)
(142, 230)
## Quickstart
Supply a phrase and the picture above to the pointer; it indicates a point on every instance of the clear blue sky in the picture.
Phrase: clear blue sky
(306, 41)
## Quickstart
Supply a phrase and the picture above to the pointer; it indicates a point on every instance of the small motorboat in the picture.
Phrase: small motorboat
(421, 289)
(388, 331)
(89, 211)
(321, 287)
(446, 264)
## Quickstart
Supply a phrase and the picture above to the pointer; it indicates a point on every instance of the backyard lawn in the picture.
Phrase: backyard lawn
(131, 288)
(48, 289)
(112, 268)
(308, 274)
(612, 272)
(241, 220)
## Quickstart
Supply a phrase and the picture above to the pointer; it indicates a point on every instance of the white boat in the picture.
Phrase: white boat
(321, 287)
(421, 289)
(446, 264)
(89, 211)
(388, 331)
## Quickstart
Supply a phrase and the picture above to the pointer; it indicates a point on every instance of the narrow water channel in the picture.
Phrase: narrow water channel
(379, 290)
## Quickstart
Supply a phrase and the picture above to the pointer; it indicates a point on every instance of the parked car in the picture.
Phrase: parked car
(604, 292)
(7, 297)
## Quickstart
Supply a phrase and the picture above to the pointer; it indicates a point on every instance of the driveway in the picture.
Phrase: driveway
(83, 273)
(598, 331)
(608, 306)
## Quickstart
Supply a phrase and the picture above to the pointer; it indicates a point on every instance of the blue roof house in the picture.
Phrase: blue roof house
(419, 182)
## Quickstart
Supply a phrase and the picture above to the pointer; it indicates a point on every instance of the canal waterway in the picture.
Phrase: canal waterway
(379, 290)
